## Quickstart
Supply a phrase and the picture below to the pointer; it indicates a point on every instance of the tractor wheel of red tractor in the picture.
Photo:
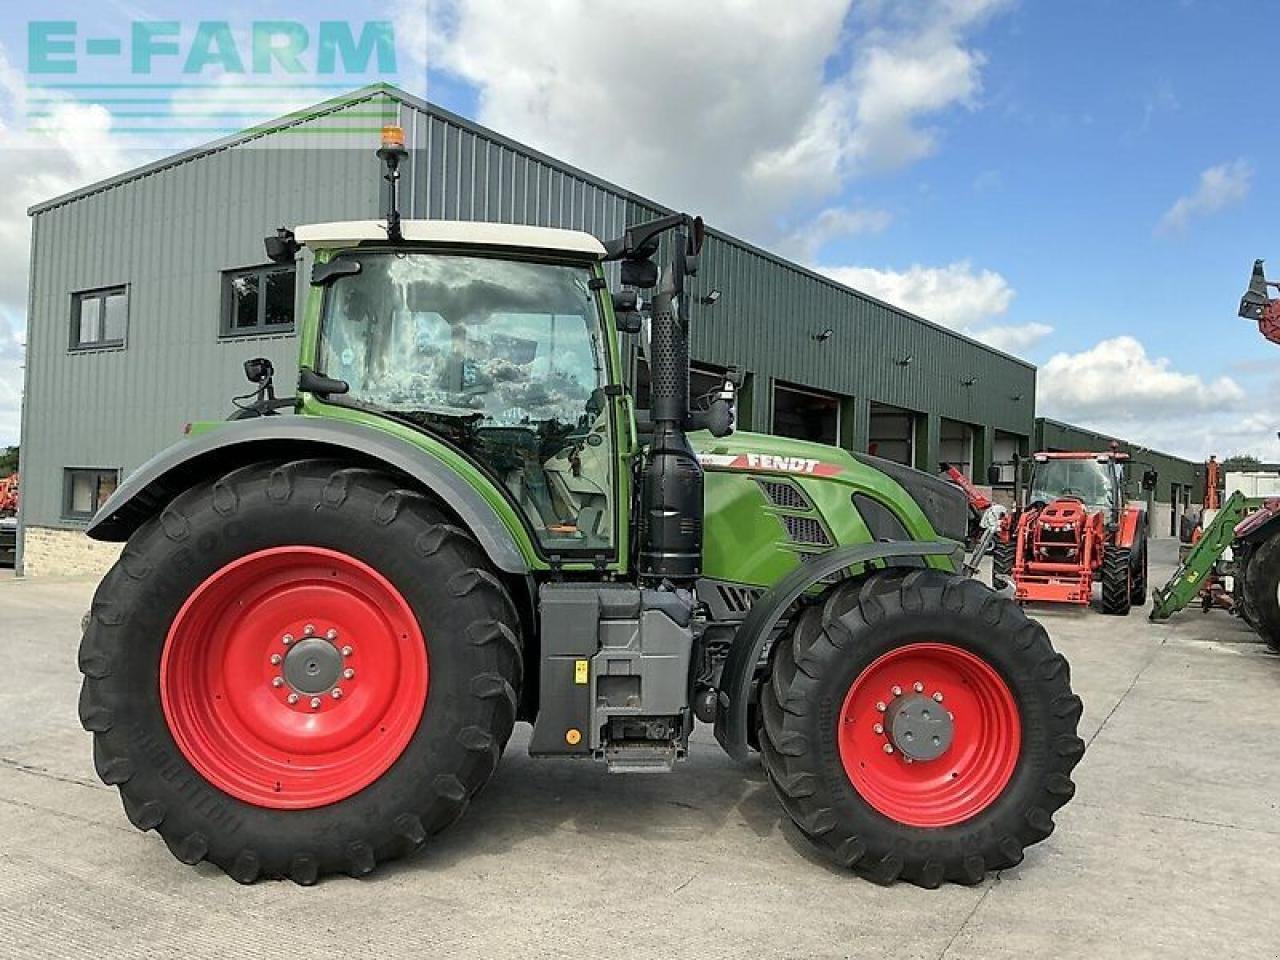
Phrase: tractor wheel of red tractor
(1001, 563)
(1138, 578)
(916, 726)
(1117, 580)
(299, 669)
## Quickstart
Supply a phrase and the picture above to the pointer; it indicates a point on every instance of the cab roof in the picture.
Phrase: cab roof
(1082, 455)
(452, 232)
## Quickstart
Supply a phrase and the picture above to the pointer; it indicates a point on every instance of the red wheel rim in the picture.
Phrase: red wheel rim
(971, 772)
(244, 663)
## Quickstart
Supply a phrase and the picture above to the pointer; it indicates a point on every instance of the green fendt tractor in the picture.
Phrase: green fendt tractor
(331, 610)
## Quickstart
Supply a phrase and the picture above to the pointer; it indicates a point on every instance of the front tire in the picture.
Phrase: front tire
(1117, 580)
(299, 669)
(962, 808)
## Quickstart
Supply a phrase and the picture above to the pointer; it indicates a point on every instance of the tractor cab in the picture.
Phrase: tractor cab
(1094, 479)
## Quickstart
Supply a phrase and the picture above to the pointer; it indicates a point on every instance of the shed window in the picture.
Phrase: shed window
(99, 318)
(84, 490)
(257, 301)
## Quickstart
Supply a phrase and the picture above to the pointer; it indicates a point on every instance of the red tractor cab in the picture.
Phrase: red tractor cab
(1076, 528)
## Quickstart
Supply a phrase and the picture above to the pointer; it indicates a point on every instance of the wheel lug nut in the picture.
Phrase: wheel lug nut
(897, 690)
(309, 629)
(276, 659)
(919, 687)
(287, 639)
(331, 635)
(336, 693)
(938, 696)
(878, 728)
(880, 705)
(347, 651)
(277, 681)
(315, 703)
(888, 748)
(348, 674)
(293, 698)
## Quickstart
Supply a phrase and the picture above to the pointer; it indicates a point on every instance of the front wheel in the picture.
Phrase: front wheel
(299, 669)
(916, 726)
(1002, 552)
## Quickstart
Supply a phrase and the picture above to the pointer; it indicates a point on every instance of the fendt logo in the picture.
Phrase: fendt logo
(770, 462)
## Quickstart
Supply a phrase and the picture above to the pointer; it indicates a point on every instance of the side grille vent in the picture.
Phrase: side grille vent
(783, 494)
(806, 530)
(737, 599)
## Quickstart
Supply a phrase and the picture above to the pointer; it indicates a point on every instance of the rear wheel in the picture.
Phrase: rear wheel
(918, 727)
(297, 670)
(1138, 576)
(1117, 580)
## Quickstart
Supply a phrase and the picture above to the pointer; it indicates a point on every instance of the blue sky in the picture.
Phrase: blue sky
(1083, 184)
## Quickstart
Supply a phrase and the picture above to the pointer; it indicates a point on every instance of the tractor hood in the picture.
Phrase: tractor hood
(943, 503)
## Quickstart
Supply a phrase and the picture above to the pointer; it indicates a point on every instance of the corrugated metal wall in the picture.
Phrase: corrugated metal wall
(170, 232)
(1053, 435)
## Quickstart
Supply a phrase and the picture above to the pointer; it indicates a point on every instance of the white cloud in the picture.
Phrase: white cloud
(1116, 387)
(1116, 379)
(71, 147)
(956, 296)
(724, 107)
(1219, 187)
(834, 223)
(1013, 338)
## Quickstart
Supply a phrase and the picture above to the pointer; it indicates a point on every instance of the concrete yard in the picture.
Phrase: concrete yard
(1170, 849)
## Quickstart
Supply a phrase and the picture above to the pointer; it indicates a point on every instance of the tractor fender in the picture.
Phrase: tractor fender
(1133, 523)
(237, 443)
(748, 642)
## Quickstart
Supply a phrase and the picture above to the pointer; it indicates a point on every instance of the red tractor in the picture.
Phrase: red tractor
(1076, 528)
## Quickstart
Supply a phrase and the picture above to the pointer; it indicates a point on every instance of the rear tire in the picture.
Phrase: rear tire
(139, 700)
(891, 827)
(1117, 580)
(1261, 582)
(1138, 582)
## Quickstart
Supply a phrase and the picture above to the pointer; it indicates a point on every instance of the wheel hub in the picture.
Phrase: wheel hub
(919, 728)
(313, 665)
(294, 677)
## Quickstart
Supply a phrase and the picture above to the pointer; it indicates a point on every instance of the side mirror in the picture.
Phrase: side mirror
(258, 370)
(626, 307)
(283, 247)
(640, 273)
(720, 416)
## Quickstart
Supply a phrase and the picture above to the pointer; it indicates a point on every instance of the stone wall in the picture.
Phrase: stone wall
(49, 552)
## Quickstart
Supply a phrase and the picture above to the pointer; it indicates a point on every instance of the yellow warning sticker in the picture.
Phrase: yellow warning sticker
(580, 671)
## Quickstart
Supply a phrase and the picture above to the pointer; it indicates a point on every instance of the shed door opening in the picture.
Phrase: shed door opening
(891, 433)
(806, 414)
(955, 446)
